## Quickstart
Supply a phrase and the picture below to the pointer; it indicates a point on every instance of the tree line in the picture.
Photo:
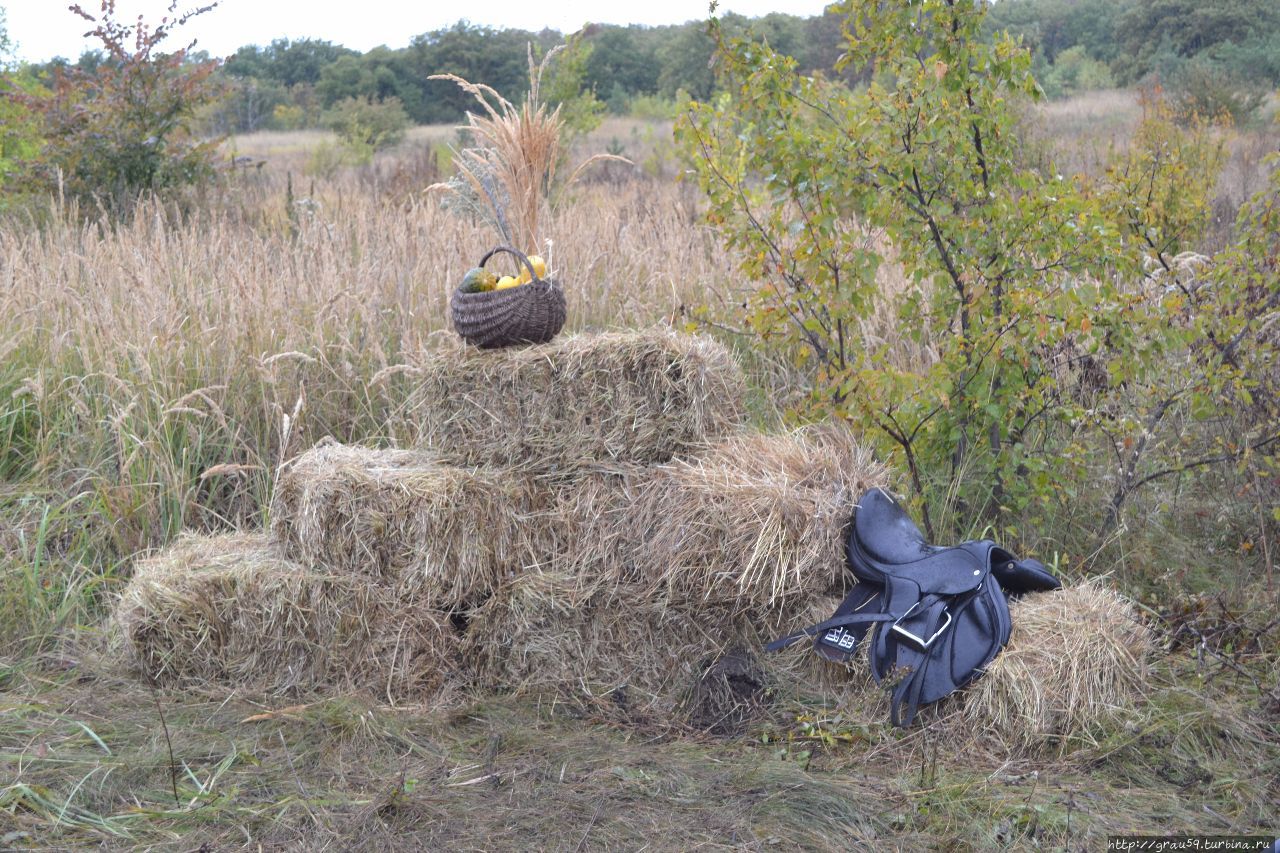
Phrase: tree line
(1222, 55)
(291, 83)
(1226, 53)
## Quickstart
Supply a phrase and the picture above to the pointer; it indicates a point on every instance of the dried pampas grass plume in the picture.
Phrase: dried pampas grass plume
(507, 175)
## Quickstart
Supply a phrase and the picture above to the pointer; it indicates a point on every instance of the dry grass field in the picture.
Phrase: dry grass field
(1083, 132)
(155, 376)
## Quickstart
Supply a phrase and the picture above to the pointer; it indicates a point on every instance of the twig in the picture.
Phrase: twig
(297, 780)
(164, 727)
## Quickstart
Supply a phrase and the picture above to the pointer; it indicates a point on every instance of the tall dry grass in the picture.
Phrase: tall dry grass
(161, 369)
(1083, 134)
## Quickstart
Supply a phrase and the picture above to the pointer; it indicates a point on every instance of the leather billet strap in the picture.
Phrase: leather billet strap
(841, 621)
(839, 643)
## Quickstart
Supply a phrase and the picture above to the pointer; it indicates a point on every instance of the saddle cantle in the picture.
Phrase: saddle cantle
(938, 616)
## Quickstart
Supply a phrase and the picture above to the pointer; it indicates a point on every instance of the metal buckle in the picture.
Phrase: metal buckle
(920, 641)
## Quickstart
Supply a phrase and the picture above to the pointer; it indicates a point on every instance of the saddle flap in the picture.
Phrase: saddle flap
(963, 639)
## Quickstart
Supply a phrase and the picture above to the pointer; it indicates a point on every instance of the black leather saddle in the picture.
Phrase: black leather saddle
(940, 614)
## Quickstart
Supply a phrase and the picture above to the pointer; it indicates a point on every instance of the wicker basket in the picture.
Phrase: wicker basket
(529, 314)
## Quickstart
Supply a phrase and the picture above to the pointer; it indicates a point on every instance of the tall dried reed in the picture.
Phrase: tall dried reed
(510, 172)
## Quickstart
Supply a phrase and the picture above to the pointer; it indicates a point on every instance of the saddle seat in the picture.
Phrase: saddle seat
(887, 540)
(890, 541)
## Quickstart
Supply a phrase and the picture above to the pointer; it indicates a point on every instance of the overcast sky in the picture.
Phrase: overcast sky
(43, 29)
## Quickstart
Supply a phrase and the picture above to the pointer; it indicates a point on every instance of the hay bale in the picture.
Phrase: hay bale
(542, 634)
(234, 610)
(757, 524)
(615, 649)
(628, 397)
(217, 608)
(597, 536)
(428, 532)
(413, 657)
(1078, 659)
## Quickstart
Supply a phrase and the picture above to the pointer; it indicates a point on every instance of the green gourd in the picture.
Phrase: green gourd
(478, 280)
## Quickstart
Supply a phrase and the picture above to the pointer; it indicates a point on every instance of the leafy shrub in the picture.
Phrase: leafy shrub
(566, 88)
(1240, 307)
(653, 107)
(247, 104)
(1205, 89)
(20, 139)
(125, 127)
(1220, 403)
(288, 117)
(365, 125)
(326, 159)
(991, 326)
(1158, 192)
(1073, 72)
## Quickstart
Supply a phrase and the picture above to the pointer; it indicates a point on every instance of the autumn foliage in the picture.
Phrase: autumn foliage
(124, 128)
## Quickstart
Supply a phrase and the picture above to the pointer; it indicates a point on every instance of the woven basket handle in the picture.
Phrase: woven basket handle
(520, 257)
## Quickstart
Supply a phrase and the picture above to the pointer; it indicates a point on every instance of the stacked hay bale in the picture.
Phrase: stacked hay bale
(431, 536)
(578, 403)
(430, 533)
(1075, 663)
(668, 571)
(756, 524)
(236, 610)
(587, 517)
